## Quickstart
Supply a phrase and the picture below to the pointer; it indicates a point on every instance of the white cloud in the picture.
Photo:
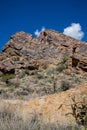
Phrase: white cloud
(74, 30)
(37, 32)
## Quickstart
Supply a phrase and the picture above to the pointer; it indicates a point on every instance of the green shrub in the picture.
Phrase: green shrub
(45, 65)
(27, 71)
(64, 59)
(11, 85)
(60, 67)
(65, 85)
(49, 79)
(78, 80)
(38, 76)
(7, 76)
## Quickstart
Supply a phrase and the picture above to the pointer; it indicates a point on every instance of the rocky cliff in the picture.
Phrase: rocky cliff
(23, 51)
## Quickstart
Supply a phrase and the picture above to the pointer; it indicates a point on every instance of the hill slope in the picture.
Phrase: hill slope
(48, 70)
(30, 66)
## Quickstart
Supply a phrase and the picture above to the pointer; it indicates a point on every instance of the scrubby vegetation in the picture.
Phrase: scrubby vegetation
(11, 121)
(79, 112)
(8, 76)
(62, 65)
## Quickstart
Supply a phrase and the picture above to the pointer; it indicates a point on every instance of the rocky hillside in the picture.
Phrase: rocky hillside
(49, 73)
(32, 67)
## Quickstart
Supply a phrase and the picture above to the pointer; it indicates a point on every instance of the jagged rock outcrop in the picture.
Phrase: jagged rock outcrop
(24, 51)
(18, 53)
(79, 57)
(76, 50)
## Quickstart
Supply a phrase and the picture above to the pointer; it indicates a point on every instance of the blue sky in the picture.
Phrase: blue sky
(29, 15)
